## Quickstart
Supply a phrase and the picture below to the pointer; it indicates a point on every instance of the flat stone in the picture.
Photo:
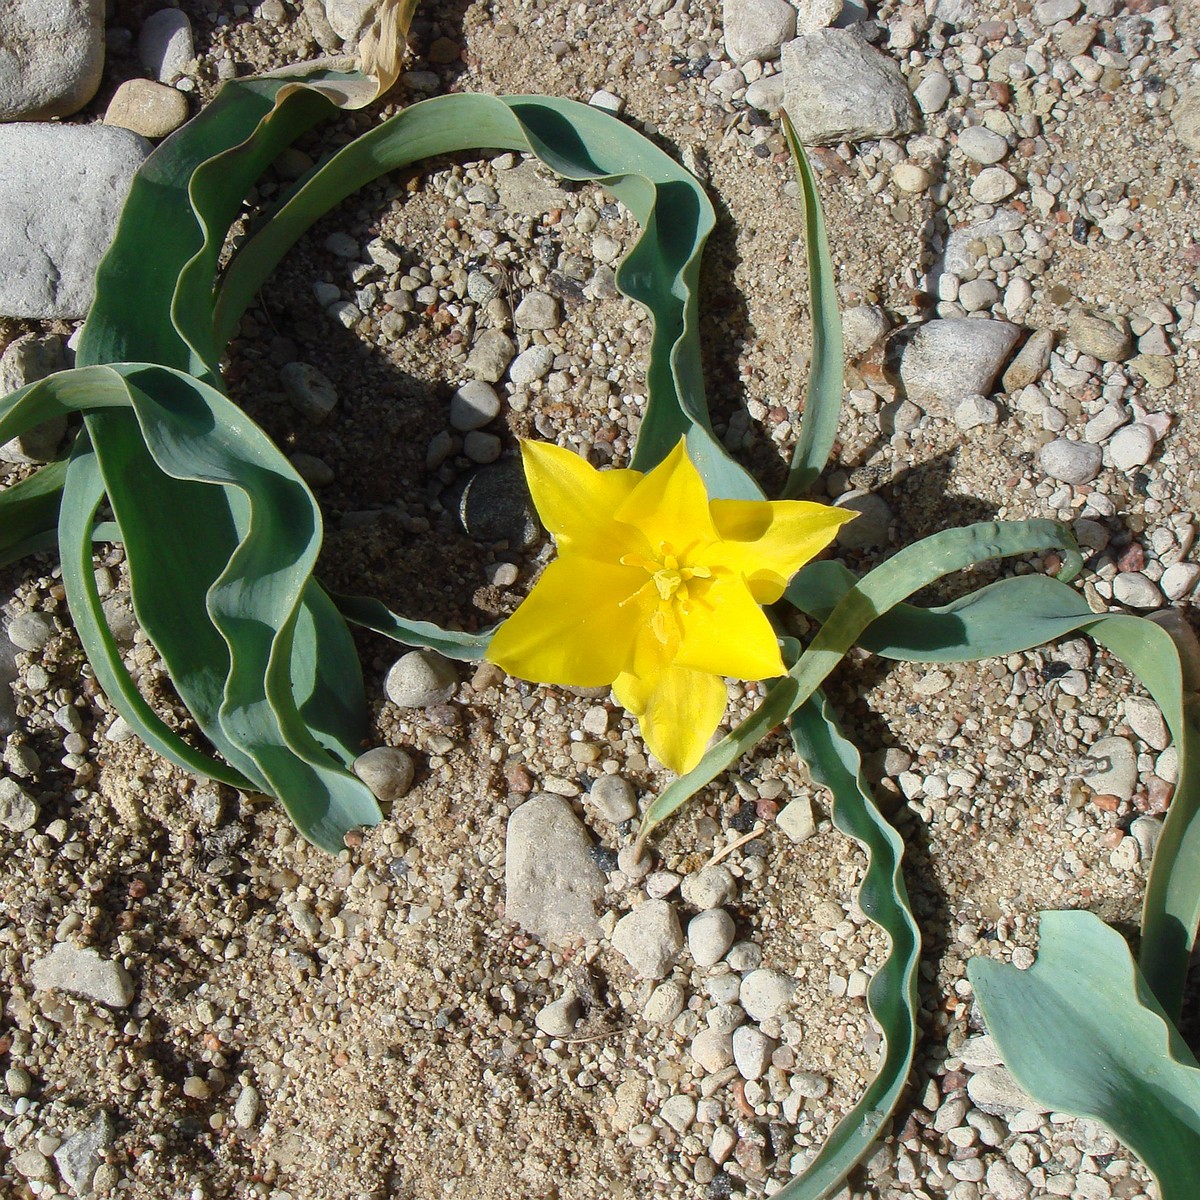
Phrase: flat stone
(679, 1112)
(796, 820)
(18, 809)
(839, 89)
(666, 1002)
(531, 365)
(31, 631)
(959, 258)
(974, 412)
(1071, 462)
(61, 192)
(26, 360)
(982, 145)
(1135, 590)
(1110, 768)
(992, 185)
(766, 94)
(151, 109)
(1179, 580)
(996, 1092)
(1185, 116)
(348, 18)
(495, 505)
(537, 310)
(310, 390)
(82, 1152)
(1107, 338)
(51, 57)
(752, 1051)
(551, 883)
(526, 191)
(1132, 447)
(84, 973)
(765, 993)
(862, 327)
(949, 359)
(757, 28)
(421, 678)
(871, 526)
(165, 44)
(613, 798)
(649, 938)
(1146, 720)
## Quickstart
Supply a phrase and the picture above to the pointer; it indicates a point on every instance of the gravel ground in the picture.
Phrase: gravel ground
(231, 1013)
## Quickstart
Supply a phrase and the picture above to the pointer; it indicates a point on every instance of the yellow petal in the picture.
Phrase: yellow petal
(577, 627)
(726, 633)
(769, 541)
(576, 502)
(670, 505)
(678, 710)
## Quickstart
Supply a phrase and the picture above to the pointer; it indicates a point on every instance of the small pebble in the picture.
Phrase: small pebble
(419, 679)
(765, 993)
(613, 798)
(473, 406)
(709, 935)
(387, 770)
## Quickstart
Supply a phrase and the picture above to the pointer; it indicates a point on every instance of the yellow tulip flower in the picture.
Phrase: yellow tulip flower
(656, 590)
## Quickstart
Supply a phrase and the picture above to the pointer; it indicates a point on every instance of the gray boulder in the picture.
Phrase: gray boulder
(839, 89)
(61, 192)
(51, 57)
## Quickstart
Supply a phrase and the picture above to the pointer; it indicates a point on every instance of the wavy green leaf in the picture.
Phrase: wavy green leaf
(834, 763)
(823, 403)
(882, 589)
(1017, 614)
(1083, 1033)
(29, 512)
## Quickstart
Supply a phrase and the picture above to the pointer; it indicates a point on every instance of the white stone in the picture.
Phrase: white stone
(473, 406)
(796, 819)
(979, 143)
(649, 938)
(537, 310)
(932, 92)
(1135, 590)
(1179, 580)
(839, 88)
(419, 679)
(84, 973)
(387, 770)
(1131, 447)
(61, 192)
(531, 365)
(910, 177)
(756, 29)
(975, 411)
(712, 1050)
(1146, 721)
(165, 44)
(765, 993)
(559, 1018)
(949, 359)
(752, 1051)
(665, 1004)
(710, 887)
(310, 390)
(1110, 768)
(709, 936)
(1071, 462)
(992, 185)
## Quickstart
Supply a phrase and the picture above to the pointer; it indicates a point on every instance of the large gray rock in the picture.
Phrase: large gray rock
(839, 89)
(947, 360)
(51, 57)
(61, 191)
(551, 884)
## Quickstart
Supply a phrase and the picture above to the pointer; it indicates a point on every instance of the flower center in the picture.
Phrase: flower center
(670, 581)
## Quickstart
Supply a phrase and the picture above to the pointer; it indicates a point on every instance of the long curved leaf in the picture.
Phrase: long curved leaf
(580, 143)
(1017, 614)
(892, 993)
(826, 373)
(1082, 1032)
(29, 512)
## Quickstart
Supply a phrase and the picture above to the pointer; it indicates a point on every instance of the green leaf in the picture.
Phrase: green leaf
(892, 993)
(906, 572)
(1082, 1032)
(580, 143)
(823, 404)
(1017, 614)
(29, 512)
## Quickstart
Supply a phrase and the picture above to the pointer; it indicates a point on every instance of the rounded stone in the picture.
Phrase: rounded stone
(1071, 462)
(665, 1004)
(992, 185)
(151, 109)
(419, 679)
(909, 177)
(481, 447)
(982, 145)
(765, 993)
(649, 938)
(712, 1050)
(1109, 339)
(473, 406)
(752, 1051)
(538, 310)
(1131, 447)
(30, 631)
(709, 935)
(387, 771)
(709, 888)
(613, 798)
(1135, 590)
(559, 1018)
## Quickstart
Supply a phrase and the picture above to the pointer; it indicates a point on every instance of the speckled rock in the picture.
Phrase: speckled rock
(709, 936)
(649, 938)
(552, 884)
(61, 192)
(84, 973)
(1107, 338)
(757, 28)
(151, 109)
(51, 57)
(1071, 462)
(839, 89)
(419, 679)
(765, 993)
(387, 771)
(947, 360)
(165, 44)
